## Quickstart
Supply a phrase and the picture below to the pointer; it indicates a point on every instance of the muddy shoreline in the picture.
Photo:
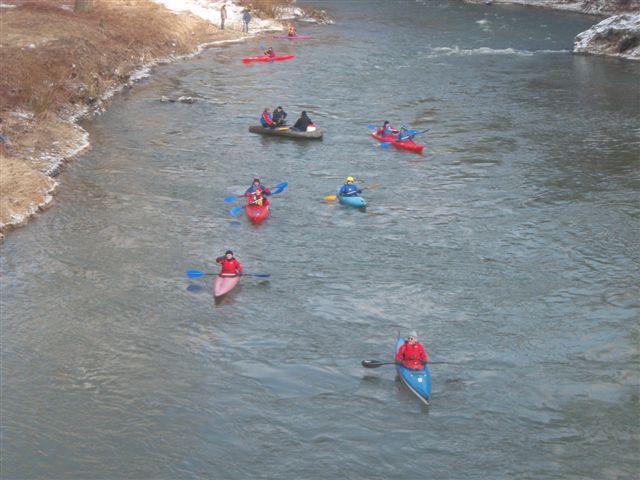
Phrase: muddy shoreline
(38, 141)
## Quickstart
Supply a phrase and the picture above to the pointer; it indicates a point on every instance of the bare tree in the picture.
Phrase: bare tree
(83, 6)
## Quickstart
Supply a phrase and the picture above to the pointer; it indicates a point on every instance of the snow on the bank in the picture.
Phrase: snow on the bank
(618, 35)
(210, 10)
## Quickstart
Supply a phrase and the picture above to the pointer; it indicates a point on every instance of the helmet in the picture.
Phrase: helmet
(256, 180)
(350, 179)
(228, 252)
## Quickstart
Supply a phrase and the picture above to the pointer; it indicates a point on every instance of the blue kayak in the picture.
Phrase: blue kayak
(418, 381)
(352, 201)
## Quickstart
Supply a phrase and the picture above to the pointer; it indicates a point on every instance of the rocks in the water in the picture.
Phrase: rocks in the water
(616, 36)
(182, 99)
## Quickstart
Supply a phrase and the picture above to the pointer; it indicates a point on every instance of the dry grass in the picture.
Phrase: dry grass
(53, 59)
(70, 58)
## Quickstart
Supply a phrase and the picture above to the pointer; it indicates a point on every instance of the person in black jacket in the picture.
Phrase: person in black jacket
(303, 122)
(279, 116)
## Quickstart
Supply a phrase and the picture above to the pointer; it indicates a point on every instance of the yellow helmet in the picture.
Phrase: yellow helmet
(350, 179)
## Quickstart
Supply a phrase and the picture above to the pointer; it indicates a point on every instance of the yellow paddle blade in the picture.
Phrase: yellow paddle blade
(282, 128)
(330, 198)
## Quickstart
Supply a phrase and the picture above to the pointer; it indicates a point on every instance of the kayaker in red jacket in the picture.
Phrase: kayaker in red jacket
(269, 52)
(266, 120)
(412, 354)
(230, 266)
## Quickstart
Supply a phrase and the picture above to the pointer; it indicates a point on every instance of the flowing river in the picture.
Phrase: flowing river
(511, 246)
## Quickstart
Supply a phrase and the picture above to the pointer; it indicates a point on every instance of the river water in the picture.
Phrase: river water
(511, 246)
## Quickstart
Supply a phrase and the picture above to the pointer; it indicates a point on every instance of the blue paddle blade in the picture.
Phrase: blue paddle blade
(236, 210)
(230, 199)
(385, 144)
(261, 275)
(279, 188)
(194, 273)
(372, 127)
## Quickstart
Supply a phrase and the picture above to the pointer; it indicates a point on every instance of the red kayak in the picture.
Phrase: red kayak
(223, 284)
(264, 58)
(404, 144)
(257, 213)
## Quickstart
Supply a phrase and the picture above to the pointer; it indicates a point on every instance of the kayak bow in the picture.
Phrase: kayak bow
(224, 284)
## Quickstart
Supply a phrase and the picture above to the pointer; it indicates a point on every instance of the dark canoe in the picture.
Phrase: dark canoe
(286, 132)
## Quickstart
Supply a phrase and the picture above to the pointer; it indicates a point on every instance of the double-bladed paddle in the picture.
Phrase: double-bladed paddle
(378, 363)
(277, 189)
(412, 134)
(198, 274)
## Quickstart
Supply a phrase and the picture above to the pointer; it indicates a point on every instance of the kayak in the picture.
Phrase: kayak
(404, 145)
(287, 132)
(418, 381)
(257, 213)
(224, 284)
(353, 201)
(264, 58)
(293, 37)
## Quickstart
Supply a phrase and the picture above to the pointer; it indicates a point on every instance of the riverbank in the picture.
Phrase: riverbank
(590, 7)
(59, 66)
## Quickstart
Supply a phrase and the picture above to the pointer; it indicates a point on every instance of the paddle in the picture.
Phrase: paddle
(198, 274)
(412, 133)
(377, 363)
(277, 189)
(331, 198)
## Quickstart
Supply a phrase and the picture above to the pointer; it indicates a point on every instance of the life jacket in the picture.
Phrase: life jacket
(229, 267)
(265, 119)
(412, 355)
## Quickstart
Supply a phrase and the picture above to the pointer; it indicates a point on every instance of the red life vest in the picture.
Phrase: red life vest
(229, 267)
(412, 356)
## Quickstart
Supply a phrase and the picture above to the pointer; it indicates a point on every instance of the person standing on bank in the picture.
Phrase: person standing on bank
(223, 15)
(246, 18)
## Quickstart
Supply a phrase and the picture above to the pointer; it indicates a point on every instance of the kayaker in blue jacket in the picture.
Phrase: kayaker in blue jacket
(349, 189)
(255, 185)
(386, 129)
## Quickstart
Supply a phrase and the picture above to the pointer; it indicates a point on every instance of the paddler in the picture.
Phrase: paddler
(230, 266)
(303, 122)
(349, 189)
(257, 193)
(411, 353)
(386, 129)
(269, 52)
(265, 119)
(292, 30)
(279, 116)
